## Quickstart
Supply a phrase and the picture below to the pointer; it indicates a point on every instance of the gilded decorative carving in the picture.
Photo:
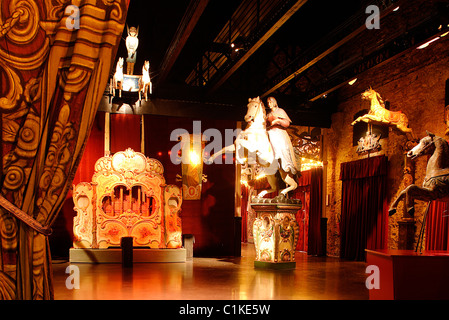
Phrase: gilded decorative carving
(127, 197)
(52, 79)
(275, 232)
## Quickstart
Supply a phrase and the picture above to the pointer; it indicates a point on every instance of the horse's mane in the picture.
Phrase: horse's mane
(379, 98)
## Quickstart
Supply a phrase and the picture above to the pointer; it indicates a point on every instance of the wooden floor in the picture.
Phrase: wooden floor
(315, 278)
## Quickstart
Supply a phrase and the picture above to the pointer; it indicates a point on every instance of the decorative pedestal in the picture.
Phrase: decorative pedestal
(275, 234)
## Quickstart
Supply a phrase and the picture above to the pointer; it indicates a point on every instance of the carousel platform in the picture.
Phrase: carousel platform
(114, 255)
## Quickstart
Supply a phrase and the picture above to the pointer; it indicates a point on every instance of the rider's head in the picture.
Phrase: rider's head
(272, 103)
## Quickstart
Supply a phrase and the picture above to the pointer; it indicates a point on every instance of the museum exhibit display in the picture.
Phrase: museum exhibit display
(127, 197)
(262, 150)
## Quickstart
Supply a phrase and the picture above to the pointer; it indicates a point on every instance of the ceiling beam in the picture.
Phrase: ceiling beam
(262, 39)
(398, 46)
(302, 63)
(185, 28)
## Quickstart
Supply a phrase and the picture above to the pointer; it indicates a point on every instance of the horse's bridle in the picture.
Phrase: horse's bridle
(425, 148)
(257, 111)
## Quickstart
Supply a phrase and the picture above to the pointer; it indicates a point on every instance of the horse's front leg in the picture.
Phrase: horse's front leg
(411, 193)
(393, 206)
(230, 148)
(356, 120)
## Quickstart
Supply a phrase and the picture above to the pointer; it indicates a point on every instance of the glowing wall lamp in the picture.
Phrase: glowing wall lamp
(192, 147)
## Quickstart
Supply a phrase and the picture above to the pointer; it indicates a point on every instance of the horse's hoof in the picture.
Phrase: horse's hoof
(411, 211)
(391, 212)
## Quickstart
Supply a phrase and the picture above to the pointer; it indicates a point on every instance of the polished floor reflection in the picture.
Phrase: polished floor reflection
(216, 279)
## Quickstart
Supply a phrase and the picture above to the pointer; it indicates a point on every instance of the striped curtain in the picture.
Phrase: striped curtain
(55, 61)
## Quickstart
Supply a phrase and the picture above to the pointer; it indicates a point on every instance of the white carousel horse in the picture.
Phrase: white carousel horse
(145, 81)
(436, 182)
(253, 146)
(117, 79)
(378, 113)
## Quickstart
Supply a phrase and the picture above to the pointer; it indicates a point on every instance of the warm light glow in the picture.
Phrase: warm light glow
(425, 45)
(194, 158)
(352, 81)
(307, 164)
(444, 34)
(396, 9)
(260, 176)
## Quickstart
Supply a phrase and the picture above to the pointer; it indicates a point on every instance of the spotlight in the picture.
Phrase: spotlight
(425, 45)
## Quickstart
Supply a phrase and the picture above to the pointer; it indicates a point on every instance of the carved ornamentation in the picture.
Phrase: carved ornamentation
(127, 197)
(275, 232)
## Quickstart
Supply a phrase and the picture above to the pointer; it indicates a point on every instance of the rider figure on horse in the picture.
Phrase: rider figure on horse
(279, 121)
(283, 149)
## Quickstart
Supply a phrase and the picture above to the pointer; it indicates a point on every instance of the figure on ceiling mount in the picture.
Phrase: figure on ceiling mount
(117, 79)
(145, 81)
(132, 42)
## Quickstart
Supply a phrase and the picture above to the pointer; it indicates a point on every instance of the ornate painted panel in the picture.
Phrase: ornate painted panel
(275, 232)
(127, 197)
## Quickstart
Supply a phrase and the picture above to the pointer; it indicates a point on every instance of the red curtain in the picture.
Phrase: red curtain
(363, 207)
(93, 151)
(311, 183)
(125, 132)
(302, 216)
(437, 226)
(244, 212)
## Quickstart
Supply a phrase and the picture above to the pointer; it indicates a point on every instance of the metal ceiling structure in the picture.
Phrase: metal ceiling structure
(208, 56)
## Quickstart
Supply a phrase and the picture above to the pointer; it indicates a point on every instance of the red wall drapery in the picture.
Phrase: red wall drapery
(125, 132)
(363, 207)
(311, 182)
(437, 226)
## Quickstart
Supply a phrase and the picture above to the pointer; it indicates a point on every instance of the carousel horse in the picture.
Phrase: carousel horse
(436, 181)
(252, 146)
(117, 79)
(145, 81)
(378, 113)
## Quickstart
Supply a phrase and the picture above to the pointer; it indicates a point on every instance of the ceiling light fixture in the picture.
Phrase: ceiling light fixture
(425, 45)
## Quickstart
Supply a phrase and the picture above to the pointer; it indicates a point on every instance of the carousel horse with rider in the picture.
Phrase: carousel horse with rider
(268, 146)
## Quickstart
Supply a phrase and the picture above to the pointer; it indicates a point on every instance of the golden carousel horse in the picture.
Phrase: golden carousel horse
(379, 114)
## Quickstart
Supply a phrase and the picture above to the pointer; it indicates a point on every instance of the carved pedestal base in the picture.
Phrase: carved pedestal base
(275, 234)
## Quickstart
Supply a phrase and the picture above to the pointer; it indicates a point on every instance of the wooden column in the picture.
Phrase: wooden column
(107, 134)
(406, 225)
